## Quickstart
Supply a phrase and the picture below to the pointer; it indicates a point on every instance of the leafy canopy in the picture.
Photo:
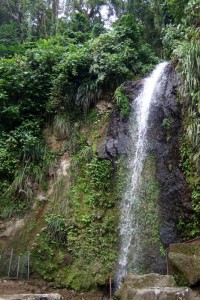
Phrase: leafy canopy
(64, 75)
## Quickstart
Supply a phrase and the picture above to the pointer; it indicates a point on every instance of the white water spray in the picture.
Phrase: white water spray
(63, 7)
(129, 224)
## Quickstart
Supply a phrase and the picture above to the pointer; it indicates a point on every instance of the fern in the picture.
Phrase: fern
(122, 101)
(62, 125)
(87, 94)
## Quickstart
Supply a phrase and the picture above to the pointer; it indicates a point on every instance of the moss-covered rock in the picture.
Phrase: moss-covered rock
(184, 262)
(147, 257)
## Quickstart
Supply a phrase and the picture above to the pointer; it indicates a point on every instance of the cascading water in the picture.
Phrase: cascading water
(63, 6)
(130, 229)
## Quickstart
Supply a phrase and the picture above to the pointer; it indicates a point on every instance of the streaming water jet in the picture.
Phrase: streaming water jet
(130, 226)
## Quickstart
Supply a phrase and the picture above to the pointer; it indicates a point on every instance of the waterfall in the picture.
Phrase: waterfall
(63, 6)
(130, 237)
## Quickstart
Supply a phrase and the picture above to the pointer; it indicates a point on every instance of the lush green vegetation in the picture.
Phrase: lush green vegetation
(181, 43)
(84, 234)
(122, 100)
(58, 80)
(52, 72)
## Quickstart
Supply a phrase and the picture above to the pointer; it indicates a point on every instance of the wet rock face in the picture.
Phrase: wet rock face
(164, 135)
(174, 200)
(118, 137)
(117, 141)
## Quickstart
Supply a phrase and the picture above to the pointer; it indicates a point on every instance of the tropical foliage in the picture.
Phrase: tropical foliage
(55, 64)
(57, 80)
(181, 42)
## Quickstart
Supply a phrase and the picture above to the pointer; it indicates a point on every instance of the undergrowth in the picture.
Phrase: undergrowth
(78, 246)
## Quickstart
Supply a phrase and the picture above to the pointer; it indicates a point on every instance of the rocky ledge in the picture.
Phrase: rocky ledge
(153, 287)
(52, 296)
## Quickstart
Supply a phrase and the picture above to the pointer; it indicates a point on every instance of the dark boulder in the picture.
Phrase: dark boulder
(117, 141)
